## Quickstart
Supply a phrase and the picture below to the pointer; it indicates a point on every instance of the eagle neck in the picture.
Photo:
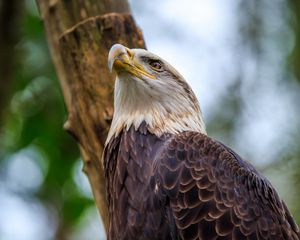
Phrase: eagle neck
(133, 105)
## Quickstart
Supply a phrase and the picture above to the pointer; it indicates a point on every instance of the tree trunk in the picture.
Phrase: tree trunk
(80, 33)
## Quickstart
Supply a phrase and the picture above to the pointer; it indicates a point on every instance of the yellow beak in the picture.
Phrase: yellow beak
(121, 59)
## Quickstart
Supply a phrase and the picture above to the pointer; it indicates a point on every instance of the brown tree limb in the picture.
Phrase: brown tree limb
(80, 33)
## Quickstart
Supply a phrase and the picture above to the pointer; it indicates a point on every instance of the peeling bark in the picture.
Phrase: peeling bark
(80, 33)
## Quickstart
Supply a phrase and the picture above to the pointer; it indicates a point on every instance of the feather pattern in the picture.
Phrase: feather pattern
(214, 194)
(188, 186)
(135, 211)
(166, 179)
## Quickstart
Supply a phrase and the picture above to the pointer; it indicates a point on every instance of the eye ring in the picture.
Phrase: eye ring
(156, 65)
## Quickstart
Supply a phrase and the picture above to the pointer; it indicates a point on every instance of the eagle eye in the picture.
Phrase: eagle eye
(155, 64)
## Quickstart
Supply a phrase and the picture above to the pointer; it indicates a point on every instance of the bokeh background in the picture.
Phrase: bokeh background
(242, 58)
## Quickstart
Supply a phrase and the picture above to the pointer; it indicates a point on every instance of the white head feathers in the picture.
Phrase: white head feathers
(149, 89)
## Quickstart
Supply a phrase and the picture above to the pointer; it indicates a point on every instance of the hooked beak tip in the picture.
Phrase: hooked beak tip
(121, 59)
(110, 65)
(115, 51)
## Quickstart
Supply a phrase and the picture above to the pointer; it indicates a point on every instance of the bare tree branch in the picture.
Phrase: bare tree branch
(80, 33)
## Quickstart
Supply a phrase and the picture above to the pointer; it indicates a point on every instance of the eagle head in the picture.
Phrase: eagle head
(148, 89)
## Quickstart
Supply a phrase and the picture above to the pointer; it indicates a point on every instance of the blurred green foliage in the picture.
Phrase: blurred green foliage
(39, 161)
(295, 23)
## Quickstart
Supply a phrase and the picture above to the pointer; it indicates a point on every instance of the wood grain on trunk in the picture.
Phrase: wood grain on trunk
(80, 34)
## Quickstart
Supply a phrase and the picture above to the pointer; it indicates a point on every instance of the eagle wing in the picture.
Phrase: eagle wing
(213, 194)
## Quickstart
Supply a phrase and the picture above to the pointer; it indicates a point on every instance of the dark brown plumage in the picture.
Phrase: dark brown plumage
(166, 179)
(188, 186)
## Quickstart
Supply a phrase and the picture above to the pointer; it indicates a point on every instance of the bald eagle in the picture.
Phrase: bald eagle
(166, 179)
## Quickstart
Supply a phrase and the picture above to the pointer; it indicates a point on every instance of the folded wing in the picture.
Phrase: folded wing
(213, 194)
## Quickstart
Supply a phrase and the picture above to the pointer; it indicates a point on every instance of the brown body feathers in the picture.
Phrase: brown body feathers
(166, 179)
(188, 186)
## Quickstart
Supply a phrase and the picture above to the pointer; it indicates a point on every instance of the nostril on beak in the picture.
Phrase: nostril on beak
(129, 53)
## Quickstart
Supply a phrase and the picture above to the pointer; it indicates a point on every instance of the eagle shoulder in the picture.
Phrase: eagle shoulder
(213, 193)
